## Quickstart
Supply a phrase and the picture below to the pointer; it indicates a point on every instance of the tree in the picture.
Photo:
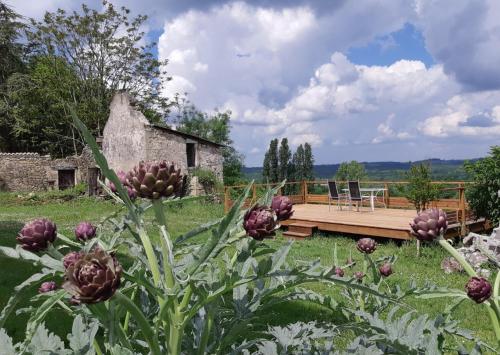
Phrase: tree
(215, 127)
(350, 171)
(11, 61)
(106, 52)
(420, 191)
(308, 162)
(298, 163)
(38, 117)
(285, 156)
(273, 161)
(266, 167)
(483, 195)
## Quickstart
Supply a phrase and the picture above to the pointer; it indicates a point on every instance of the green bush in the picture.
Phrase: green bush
(420, 191)
(482, 195)
(208, 180)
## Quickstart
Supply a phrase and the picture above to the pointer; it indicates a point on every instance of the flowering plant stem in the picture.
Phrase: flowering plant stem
(493, 309)
(176, 312)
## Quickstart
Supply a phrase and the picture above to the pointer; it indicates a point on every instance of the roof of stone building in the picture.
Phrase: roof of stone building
(187, 135)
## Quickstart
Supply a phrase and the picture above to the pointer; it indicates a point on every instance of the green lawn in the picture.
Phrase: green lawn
(183, 216)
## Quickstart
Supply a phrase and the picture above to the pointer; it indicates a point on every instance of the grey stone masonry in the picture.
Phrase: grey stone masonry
(128, 138)
(24, 171)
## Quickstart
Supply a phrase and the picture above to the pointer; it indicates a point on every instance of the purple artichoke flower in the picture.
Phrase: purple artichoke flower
(155, 179)
(478, 289)
(429, 224)
(85, 231)
(47, 287)
(359, 275)
(36, 235)
(71, 258)
(385, 269)
(339, 272)
(93, 278)
(260, 222)
(122, 176)
(366, 245)
(282, 206)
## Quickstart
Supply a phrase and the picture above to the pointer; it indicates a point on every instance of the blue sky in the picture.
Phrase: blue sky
(370, 80)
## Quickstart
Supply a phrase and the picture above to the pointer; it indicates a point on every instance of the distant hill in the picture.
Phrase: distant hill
(386, 170)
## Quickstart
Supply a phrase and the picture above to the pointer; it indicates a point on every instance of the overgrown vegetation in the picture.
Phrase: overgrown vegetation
(483, 195)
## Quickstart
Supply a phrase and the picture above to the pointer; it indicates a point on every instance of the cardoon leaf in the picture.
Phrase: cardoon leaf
(37, 318)
(82, 336)
(6, 344)
(44, 342)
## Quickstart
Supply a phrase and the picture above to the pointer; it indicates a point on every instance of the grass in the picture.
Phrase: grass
(184, 216)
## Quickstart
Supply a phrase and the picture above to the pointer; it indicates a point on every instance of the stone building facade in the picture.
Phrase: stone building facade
(35, 172)
(128, 138)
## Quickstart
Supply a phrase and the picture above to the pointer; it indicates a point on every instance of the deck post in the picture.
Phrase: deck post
(387, 196)
(304, 191)
(226, 199)
(463, 217)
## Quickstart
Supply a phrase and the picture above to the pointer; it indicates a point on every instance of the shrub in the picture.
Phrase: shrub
(483, 195)
(420, 191)
(55, 195)
(208, 180)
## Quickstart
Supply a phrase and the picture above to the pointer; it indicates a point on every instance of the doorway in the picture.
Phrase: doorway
(66, 178)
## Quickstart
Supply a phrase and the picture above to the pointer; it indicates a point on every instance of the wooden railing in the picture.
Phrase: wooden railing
(453, 195)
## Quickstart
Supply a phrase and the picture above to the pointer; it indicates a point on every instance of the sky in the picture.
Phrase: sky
(367, 80)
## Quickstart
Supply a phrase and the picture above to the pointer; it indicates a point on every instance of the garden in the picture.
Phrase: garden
(151, 271)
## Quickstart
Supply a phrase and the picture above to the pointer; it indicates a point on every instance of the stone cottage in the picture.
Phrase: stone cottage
(128, 138)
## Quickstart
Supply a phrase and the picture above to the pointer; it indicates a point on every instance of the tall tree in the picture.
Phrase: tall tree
(273, 161)
(266, 168)
(308, 162)
(106, 50)
(298, 163)
(285, 156)
(215, 127)
(11, 61)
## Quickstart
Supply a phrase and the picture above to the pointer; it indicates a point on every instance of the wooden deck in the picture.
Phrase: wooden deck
(383, 222)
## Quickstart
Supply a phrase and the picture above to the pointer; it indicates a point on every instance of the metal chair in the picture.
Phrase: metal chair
(333, 194)
(380, 194)
(355, 194)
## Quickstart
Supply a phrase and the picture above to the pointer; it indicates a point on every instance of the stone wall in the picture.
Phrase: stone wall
(163, 145)
(34, 172)
(24, 172)
(124, 135)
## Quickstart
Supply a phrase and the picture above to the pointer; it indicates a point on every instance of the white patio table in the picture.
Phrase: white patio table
(373, 193)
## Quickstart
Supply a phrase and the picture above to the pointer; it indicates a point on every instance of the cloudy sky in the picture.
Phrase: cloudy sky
(370, 80)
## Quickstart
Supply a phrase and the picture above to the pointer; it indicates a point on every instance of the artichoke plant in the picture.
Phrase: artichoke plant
(339, 272)
(71, 258)
(122, 176)
(478, 289)
(156, 179)
(93, 278)
(366, 245)
(282, 206)
(385, 269)
(260, 222)
(429, 224)
(359, 275)
(37, 234)
(85, 231)
(47, 287)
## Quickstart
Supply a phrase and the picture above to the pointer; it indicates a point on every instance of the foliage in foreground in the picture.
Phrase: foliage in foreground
(212, 297)
(483, 195)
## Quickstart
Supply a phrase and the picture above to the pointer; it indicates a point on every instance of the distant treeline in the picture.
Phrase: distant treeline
(441, 170)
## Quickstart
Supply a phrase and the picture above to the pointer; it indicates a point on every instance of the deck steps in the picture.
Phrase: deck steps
(299, 230)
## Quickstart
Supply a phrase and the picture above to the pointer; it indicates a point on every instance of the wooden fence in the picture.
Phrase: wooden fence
(452, 200)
